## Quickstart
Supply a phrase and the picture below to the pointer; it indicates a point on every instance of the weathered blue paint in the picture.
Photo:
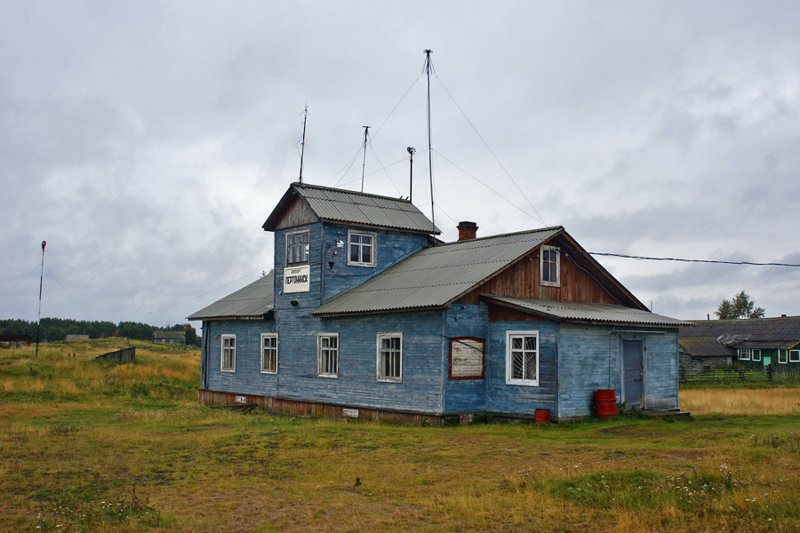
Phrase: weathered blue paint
(521, 399)
(574, 360)
(247, 378)
(339, 276)
(465, 395)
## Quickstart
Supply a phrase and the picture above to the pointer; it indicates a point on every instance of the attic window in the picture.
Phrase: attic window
(297, 248)
(361, 249)
(550, 266)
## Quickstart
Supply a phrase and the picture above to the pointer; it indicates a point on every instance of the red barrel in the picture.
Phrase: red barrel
(605, 403)
(542, 416)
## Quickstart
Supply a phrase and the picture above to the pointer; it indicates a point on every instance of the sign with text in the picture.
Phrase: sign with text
(296, 279)
(466, 357)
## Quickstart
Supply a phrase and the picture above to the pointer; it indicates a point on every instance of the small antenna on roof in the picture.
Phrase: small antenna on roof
(364, 163)
(411, 151)
(303, 142)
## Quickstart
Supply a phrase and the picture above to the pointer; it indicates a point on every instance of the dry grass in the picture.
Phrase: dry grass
(90, 446)
(757, 402)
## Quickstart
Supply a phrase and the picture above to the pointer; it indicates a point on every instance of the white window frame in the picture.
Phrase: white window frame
(265, 368)
(549, 250)
(305, 252)
(320, 349)
(754, 353)
(373, 247)
(783, 356)
(222, 349)
(379, 368)
(510, 380)
(794, 356)
(744, 354)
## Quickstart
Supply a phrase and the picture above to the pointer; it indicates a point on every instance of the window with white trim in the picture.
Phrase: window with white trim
(794, 356)
(756, 355)
(269, 353)
(744, 354)
(550, 266)
(390, 357)
(522, 358)
(328, 355)
(361, 248)
(228, 353)
(297, 248)
(783, 356)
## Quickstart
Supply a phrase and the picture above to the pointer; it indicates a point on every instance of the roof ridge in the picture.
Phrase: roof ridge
(513, 233)
(360, 193)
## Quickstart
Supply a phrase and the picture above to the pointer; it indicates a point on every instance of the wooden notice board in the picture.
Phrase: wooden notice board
(467, 356)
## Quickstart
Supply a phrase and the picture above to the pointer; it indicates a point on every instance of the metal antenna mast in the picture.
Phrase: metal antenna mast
(303, 142)
(411, 151)
(428, 69)
(364, 163)
(39, 318)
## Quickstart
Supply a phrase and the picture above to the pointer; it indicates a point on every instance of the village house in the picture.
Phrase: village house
(169, 337)
(367, 314)
(749, 343)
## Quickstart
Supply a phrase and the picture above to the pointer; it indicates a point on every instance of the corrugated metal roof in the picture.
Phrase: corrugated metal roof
(780, 331)
(435, 276)
(339, 205)
(705, 347)
(589, 312)
(250, 302)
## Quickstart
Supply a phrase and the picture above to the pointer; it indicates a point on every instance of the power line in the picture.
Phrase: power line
(684, 260)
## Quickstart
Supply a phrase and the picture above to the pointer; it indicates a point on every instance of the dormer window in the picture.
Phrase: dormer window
(550, 266)
(361, 248)
(297, 248)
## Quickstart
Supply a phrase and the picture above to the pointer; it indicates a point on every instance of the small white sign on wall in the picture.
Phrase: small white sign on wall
(241, 399)
(296, 279)
(350, 413)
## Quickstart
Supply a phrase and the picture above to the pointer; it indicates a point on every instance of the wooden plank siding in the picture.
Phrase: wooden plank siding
(297, 214)
(522, 280)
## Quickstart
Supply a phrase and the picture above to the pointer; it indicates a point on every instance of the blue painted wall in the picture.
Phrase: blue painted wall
(465, 395)
(247, 378)
(661, 371)
(339, 277)
(521, 399)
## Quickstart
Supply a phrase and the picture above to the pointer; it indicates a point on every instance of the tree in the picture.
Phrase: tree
(740, 306)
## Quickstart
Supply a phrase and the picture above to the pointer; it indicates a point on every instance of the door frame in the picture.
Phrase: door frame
(641, 340)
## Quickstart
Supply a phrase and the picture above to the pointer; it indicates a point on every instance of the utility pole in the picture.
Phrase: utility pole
(39, 317)
(364, 162)
(428, 69)
(411, 151)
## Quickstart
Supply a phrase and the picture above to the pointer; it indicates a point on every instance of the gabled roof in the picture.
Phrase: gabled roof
(777, 332)
(436, 276)
(586, 312)
(251, 302)
(350, 207)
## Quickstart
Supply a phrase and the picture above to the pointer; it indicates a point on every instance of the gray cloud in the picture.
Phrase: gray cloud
(147, 142)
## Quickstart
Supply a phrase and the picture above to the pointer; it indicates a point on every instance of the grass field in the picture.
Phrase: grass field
(90, 445)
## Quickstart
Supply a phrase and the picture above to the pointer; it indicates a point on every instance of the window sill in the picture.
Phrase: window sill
(522, 382)
(389, 380)
(228, 370)
(328, 376)
(271, 372)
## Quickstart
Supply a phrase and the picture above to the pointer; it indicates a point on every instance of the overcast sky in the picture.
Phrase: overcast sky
(147, 142)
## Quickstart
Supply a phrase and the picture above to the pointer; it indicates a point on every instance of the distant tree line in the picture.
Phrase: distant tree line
(57, 329)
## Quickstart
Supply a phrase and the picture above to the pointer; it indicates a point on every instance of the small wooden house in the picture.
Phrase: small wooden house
(750, 343)
(368, 315)
(169, 337)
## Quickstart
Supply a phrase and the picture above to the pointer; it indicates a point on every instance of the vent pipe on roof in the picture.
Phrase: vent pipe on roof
(467, 230)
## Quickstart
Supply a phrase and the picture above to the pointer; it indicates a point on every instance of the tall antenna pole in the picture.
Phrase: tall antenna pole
(411, 151)
(428, 69)
(364, 163)
(39, 318)
(303, 142)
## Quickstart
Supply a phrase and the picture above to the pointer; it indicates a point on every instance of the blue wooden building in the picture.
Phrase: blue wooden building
(367, 314)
